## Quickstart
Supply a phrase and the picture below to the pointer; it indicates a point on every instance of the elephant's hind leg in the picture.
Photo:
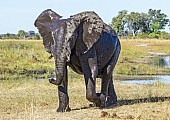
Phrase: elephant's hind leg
(108, 95)
(112, 97)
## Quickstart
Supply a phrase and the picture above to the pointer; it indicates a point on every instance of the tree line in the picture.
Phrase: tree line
(141, 25)
(127, 25)
(21, 35)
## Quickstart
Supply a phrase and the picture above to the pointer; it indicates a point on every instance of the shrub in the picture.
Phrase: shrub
(154, 35)
(164, 35)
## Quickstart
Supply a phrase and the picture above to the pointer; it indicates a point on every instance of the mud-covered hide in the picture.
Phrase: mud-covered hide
(86, 28)
(43, 23)
(108, 29)
(82, 30)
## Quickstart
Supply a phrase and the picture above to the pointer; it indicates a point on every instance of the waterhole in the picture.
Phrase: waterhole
(155, 79)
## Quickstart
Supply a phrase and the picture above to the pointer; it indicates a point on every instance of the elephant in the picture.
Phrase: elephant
(87, 45)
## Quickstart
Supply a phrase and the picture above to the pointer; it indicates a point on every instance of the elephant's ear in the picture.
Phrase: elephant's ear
(43, 23)
(91, 33)
(90, 30)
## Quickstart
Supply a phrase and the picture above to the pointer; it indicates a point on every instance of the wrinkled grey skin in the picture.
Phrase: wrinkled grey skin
(86, 44)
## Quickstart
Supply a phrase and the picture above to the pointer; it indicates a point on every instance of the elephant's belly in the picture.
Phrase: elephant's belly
(75, 64)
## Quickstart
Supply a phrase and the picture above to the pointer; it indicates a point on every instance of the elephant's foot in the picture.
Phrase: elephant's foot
(103, 100)
(63, 109)
(54, 81)
(111, 101)
(106, 101)
(96, 103)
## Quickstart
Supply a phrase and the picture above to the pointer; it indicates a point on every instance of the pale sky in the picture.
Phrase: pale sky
(21, 14)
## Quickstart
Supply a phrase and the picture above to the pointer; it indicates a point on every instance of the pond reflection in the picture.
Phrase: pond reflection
(163, 79)
(166, 62)
(163, 62)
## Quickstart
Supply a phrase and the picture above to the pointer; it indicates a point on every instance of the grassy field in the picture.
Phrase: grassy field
(25, 95)
(30, 99)
(21, 57)
(28, 58)
(135, 57)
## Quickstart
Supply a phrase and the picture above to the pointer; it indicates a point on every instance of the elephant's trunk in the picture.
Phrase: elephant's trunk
(60, 56)
(60, 66)
(59, 71)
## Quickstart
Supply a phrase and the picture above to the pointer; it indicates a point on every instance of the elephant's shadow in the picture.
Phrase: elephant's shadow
(133, 101)
(142, 100)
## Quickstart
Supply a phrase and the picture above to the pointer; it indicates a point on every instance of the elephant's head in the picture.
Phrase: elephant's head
(80, 31)
(52, 29)
(43, 23)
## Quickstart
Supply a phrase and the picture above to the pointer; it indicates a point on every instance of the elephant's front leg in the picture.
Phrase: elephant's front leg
(90, 70)
(63, 94)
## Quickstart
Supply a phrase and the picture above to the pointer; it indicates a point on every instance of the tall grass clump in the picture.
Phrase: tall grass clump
(24, 58)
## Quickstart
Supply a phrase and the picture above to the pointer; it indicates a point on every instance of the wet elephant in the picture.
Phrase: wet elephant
(86, 44)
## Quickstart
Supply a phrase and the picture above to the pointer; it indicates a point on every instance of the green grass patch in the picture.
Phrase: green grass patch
(29, 58)
(24, 58)
(135, 57)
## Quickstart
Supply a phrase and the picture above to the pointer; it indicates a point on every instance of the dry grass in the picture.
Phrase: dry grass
(37, 100)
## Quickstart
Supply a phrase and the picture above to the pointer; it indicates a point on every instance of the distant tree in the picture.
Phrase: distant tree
(157, 20)
(155, 27)
(144, 23)
(31, 33)
(140, 23)
(134, 22)
(118, 22)
(21, 34)
(7, 35)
